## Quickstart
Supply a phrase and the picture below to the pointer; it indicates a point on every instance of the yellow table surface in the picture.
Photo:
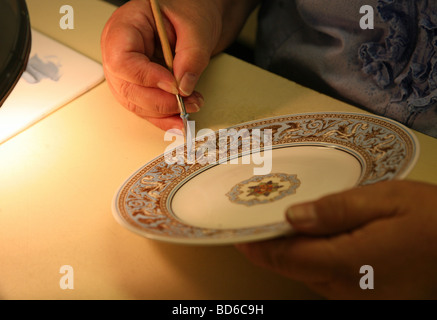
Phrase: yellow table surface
(58, 179)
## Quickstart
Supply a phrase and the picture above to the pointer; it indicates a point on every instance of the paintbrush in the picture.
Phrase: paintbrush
(168, 57)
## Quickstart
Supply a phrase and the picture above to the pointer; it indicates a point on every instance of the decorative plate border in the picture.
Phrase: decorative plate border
(386, 149)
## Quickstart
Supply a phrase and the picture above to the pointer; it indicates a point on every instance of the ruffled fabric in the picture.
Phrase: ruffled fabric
(407, 61)
(390, 70)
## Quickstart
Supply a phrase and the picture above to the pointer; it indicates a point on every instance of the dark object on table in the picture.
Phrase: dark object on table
(15, 44)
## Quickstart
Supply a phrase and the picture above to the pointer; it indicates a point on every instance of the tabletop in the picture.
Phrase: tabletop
(58, 179)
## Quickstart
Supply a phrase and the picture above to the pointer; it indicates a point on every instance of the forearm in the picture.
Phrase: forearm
(234, 15)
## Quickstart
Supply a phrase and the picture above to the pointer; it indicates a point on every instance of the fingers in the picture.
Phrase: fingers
(130, 49)
(389, 226)
(330, 234)
(154, 105)
(310, 260)
(189, 64)
(345, 211)
(152, 102)
(167, 123)
(195, 43)
(128, 44)
(316, 253)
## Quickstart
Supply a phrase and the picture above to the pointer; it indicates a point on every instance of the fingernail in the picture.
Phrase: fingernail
(187, 83)
(177, 131)
(199, 98)
(302, 215)
(170, 88)
(193, 107)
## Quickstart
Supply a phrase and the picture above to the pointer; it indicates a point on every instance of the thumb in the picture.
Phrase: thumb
(344, 211)
(192, 55)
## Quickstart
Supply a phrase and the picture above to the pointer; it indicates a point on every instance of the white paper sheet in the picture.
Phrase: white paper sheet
(55, 75)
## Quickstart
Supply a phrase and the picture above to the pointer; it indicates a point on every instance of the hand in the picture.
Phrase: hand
(391, 226)
(133, 63)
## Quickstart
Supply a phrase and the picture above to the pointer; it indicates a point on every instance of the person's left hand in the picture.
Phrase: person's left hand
(390, 226)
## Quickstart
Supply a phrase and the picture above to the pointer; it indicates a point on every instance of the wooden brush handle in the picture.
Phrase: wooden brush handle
(166, 49)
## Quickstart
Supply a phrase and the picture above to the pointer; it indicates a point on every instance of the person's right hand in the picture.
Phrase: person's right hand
(132, 56)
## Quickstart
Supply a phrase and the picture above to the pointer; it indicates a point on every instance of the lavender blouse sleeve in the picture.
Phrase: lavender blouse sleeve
(390, 70)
